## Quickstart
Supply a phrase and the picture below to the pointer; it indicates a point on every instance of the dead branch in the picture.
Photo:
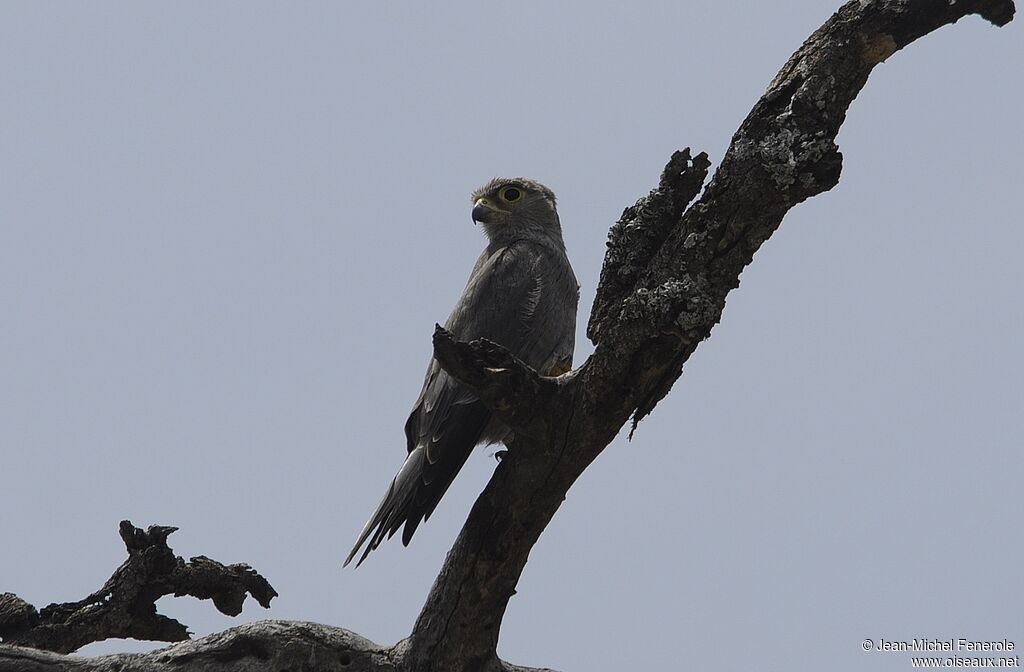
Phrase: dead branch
(126, 604)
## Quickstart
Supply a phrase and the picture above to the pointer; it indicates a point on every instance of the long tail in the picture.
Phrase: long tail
(394, 509)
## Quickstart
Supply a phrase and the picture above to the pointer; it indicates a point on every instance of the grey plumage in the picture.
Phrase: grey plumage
(522, 294)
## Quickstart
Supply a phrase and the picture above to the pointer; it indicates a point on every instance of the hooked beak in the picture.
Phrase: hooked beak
(482, 211)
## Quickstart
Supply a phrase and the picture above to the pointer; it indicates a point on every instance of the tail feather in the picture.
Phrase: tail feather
(429, 469)
(393, 509)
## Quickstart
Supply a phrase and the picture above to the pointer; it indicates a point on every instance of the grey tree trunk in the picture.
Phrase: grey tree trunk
(666, 275)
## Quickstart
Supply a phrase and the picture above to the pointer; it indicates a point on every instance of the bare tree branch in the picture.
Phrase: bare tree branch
(666, 275)
(640, 233)
(126, 604)
(269, 646)
(264, 646)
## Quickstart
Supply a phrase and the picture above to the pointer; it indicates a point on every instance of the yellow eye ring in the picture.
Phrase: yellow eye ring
(510, 194)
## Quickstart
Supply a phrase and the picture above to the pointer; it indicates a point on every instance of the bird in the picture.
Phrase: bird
(521, 294)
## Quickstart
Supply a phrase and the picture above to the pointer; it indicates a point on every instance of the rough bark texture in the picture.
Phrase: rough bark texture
(667, 272)
(265, 645)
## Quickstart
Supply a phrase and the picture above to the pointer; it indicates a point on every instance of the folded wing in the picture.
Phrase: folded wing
(522, 296)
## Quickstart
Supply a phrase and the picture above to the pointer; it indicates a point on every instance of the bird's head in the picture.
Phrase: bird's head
(515, 206)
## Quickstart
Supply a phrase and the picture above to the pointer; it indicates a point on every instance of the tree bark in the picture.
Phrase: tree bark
(666, 275)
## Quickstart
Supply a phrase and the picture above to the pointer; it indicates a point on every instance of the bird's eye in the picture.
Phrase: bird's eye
(511, 194)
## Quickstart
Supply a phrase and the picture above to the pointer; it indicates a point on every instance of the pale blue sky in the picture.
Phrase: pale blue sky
(227, 230)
